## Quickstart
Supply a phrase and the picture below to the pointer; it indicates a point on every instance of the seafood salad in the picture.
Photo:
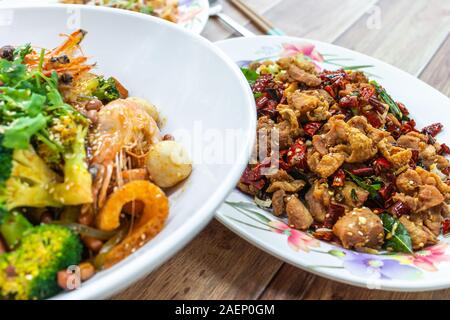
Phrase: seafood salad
(341, 159)
(82, 170)
(165, 9)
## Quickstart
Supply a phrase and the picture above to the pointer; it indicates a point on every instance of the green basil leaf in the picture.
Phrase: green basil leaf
(397, 238)
(371, 188)
(250, 75)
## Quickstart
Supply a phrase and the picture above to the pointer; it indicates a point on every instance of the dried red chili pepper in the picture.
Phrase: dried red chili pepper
(446, 171)
(393, 128)
(261, 101)
(445, 149)
(346, 112)
(377, 104)
(446, 226)
(387, 191)
(349, 102)
(281, 163)
(399, 209)
(296, 155)
(252, 176)
(373, 118)
(367, 93)
(408, 126)
(274, 91)
(270, 109)
(335, 211)
(382, 163)
(403, 109)
(311, 128)
(338, 178)
(363, 172)
(337, 80)
(333, 76)
(433, 130)
(261, 83)
(330, 91)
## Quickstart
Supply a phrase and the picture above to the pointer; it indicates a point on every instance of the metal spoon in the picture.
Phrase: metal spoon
(215, 10)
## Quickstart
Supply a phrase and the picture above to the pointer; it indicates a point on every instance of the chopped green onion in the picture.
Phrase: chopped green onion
(393, 107)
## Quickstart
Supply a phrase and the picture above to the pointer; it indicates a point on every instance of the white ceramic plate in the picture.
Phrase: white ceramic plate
(193, 14)
(428, 269)
(199, 92)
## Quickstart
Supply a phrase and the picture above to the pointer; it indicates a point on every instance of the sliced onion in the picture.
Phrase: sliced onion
(111, 243)
(264, 204)
(86, 230)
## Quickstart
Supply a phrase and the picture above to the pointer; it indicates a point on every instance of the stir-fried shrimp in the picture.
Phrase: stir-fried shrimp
(123, 125)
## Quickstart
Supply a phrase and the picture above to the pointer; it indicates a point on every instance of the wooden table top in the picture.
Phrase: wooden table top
(217, 264)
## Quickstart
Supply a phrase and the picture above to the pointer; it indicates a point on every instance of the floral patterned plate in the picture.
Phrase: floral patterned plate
(193, 14)
(428, 269)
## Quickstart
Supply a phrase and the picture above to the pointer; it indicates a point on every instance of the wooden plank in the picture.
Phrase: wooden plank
(408, 35)
(215, 265)
(317, 19)
(313, 19)
(437, 71)
(293, 283)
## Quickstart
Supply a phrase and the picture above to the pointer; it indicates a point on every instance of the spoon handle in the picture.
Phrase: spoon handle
(234, 25)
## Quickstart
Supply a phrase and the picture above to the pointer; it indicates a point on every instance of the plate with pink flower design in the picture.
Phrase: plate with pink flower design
(427, 269)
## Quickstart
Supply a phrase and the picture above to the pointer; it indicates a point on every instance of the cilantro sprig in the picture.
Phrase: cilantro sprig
(29, 101)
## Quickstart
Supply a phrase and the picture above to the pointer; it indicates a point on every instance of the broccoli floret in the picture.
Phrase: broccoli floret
(31, 183)
(30, 271)
(106, 90)
(12, 226)
(76, 188)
